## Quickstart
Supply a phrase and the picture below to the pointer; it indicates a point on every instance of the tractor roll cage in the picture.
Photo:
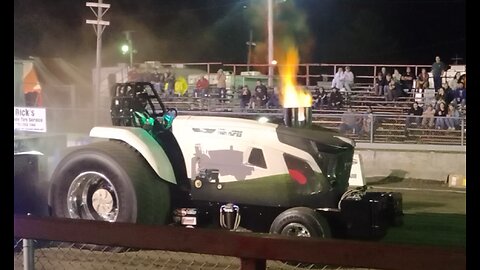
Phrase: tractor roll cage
(131, 97)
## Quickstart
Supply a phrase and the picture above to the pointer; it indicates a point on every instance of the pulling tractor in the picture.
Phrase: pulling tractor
(153, 166)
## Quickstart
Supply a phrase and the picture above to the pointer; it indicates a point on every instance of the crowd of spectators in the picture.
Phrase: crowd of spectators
(261, 98)
(442, 112)
(163, 83)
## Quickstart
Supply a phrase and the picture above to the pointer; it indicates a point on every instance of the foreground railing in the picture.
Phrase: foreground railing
(252, 249)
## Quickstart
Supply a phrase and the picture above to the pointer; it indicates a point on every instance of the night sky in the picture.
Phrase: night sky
(326, 31)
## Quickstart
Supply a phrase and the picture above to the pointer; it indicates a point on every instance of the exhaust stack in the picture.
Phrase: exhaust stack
(298, 117)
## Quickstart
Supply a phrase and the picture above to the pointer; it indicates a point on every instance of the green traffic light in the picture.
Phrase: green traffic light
(125, 48)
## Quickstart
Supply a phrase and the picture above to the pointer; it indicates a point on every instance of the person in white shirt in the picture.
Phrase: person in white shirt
(338, 79)
(348, 79)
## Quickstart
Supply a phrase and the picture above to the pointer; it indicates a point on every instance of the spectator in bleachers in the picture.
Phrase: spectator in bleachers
(158, 80)
(414, 115)
(389, 89)
(338, 79)
(273, 100)
(428, 117)
(261, 94)
(181, 86)
(379, 85)
(454, 81)
(350, 122)
(169, 82)
(245, 97)
(422, 80)
(147, 76)
(335, 100)
(463, 79)
(320, 98)
(384, 72)
(407, 79)
(460, 95)
(398, 91)
(396, 76)
(452, 120)
(222, 85)
(349, 79)
(201, 87)
(316, 91)
(448, 92)
(440, 116)
(440, 98)
(133, 74)
(438, 69)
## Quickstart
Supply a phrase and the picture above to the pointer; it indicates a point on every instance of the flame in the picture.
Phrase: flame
(291, 95)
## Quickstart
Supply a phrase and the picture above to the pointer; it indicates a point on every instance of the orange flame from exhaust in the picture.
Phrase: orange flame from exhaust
(291, 95)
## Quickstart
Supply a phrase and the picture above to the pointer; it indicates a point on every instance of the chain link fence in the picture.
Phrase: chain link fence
(51, 255)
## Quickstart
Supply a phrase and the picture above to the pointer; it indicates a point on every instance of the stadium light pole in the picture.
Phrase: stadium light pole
(250, 44)
(98, 25)
(270, 42)
(128, 36)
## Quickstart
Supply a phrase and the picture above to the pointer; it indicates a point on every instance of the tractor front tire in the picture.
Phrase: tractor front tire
(301, 221)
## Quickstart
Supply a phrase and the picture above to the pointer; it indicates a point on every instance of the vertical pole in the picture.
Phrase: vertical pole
(99, 62)
(130, 44)
(28, 253)
(308, 75)
(128, 36)
(462, 127)
(270, 42)
(371, 127)
(98, 26)
(249, 57)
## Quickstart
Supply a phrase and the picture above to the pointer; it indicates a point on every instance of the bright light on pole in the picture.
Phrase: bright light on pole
(125, 49)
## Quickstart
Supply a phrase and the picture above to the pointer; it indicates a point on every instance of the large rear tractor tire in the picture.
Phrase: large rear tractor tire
(109, 181)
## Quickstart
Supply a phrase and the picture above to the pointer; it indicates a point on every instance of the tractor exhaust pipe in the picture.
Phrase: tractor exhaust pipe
(298, 117)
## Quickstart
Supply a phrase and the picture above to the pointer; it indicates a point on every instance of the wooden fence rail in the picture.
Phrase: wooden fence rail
(253, 249)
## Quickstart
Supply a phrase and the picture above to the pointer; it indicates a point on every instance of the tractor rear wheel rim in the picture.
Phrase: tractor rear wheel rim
(92, 196)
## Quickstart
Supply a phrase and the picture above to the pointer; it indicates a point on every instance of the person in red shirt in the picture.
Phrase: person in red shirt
(133, 74)
(201, 87)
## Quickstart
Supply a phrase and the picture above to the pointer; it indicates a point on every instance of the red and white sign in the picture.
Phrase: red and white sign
(29, 119)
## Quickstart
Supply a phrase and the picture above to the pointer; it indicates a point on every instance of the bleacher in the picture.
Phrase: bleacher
(390, 117)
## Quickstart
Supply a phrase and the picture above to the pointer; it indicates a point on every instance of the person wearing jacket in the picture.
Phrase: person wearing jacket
(414, 115)
(338, 79)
